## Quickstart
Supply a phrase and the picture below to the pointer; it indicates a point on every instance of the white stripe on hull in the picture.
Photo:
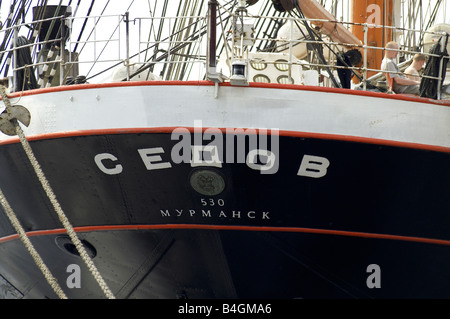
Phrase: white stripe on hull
(256, 107)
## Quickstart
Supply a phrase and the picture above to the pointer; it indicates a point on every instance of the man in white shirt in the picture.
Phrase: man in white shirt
(412, 72)
(401, 83)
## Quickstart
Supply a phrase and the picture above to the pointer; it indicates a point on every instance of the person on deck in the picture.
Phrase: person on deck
(348, 59)
(412, 72)
(401, 83)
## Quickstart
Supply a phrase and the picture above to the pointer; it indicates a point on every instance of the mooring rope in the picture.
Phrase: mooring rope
(31, 249)
(52, 197)
(62, 216)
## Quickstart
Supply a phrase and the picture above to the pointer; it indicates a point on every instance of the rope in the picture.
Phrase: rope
(22, 234)
(52, 197)
(62, 217)
(31, 249)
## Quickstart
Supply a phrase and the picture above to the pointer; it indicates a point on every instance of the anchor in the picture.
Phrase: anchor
(11, 114)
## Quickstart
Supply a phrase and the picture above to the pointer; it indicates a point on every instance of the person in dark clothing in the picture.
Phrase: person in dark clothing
(348, 59)
(25, 79)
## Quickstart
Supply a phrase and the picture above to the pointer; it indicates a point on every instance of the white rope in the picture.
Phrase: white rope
(31, 249)
(22, 234)
(62, 217)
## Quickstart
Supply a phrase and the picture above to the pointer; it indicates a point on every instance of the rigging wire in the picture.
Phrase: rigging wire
(50, 52)
(6, 38)
(10, 36)
(190, 43)
(154, 59)
(315, 46)
(152, 27)
(201, 32)
(175, 67)
(161, 24)
(187, 67)
(84, 26)
(106, 44)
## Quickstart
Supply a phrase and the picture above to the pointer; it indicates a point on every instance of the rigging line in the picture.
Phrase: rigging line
(431, 20)
(226, 45)
(76, 8)
(222, 40)
(13, 16)
(169, 57)
(47, 36)
(186, 68)
(267, 5)
(8, 37)
(184, 54)
(95, 25)
(191, 52)
(39, 15)
(178, 24)
(106, 44)
(273, 31)
(266, 11)
(84, 25)
(316, 50)
(337, 55)
(181, 69)
(79, 35)
(10, 54)
(176, 35)
(7, 61)
(152, 27)
(193, 37)
(189, 46)
(37, 27)
(49, 31)
(52, 23)
(8, 32)
(161, 24)
(22, 11)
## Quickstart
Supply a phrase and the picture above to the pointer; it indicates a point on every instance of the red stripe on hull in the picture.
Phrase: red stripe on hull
(226, 84)
(239, 228)
(346, 138)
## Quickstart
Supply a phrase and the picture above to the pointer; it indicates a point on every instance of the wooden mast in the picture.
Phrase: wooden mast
(380, 13)
(314, 10)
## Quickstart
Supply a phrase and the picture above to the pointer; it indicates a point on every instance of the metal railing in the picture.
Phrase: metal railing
(335, 47)
(168, 47)
(98, 44)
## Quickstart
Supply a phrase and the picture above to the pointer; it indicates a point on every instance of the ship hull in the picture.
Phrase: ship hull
(169, 213)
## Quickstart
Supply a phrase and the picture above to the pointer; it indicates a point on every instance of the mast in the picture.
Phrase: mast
(377, 12)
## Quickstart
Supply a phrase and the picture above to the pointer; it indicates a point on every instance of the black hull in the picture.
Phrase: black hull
(281, 235)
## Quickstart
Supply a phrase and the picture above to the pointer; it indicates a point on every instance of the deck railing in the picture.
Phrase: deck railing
(167, 47)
